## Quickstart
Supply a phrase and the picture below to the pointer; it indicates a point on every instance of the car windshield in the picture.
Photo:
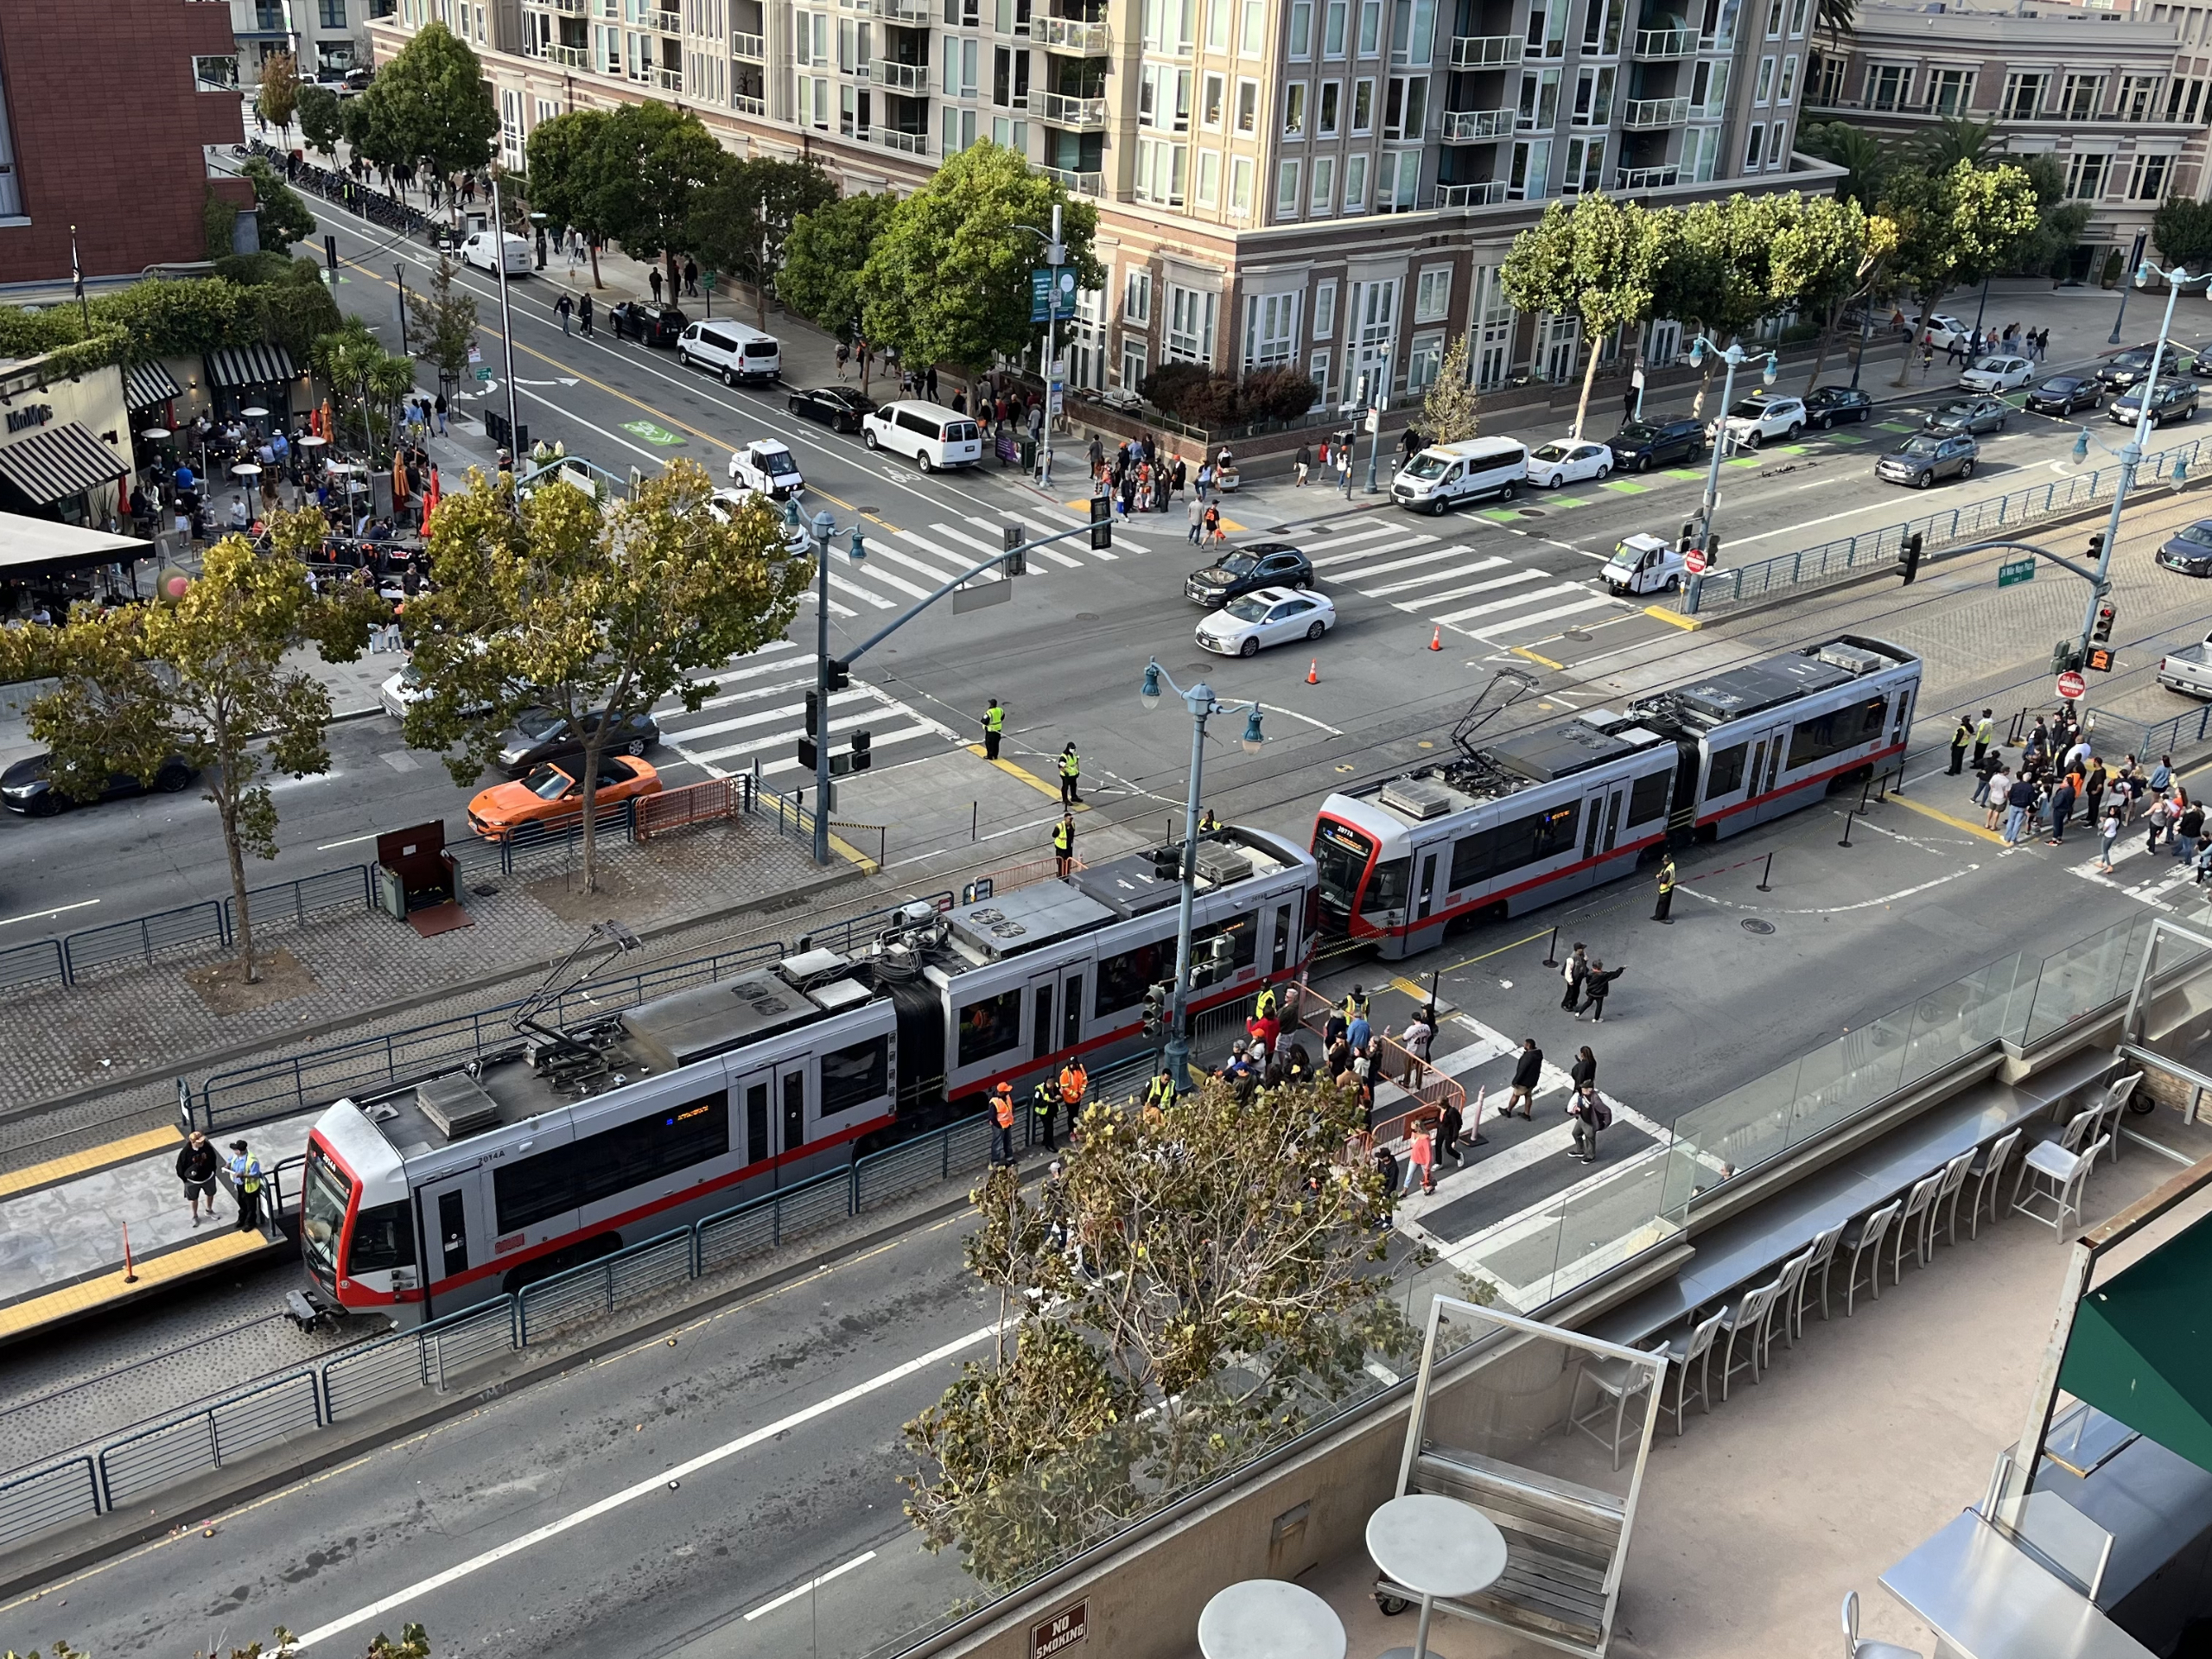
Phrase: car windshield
(547, 783)
(1637, 432)
(2198, 534)
(2061, 387)
(1749, 410)
(1554, 451)
(1247, 609)
(1921, 447)
(2135, 360)
(324, 1211)
(1956, 411)
(778, 461)
(539, 724)
(1238, 564)
(1427, 465)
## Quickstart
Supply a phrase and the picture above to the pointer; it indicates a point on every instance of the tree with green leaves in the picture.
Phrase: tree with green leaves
(1954, 228)
(1195, 1287)
(655, 167)
(1451, 409)
(278, 96)
(1864, 158)
(744, 218)
(414, 1644)
(565, 157)
(442, 324)
(204, 677)
(1956, 138)
(589, 608)
(1826, 256)
(283, 218)
(822, 259)
(1594, 259)
(367, 382)
(373, 140)
(2048, 248)
(1833, 19)
(1716, 270)
(430, 106)
(2181, 231)
(319, 112)
(948, 280)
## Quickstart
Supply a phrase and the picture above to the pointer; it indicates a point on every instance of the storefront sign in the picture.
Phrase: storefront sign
(21, 420)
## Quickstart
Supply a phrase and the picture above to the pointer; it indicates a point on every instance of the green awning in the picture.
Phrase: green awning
(2141, 1347)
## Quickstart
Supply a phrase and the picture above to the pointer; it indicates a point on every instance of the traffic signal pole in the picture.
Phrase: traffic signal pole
(2132, 456)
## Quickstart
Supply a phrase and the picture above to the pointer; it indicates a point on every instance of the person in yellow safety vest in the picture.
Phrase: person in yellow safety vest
(245, 1178)
(1045, 1102)
(1160, 1091)
(1265, 1007)
(993, 729)
(1666, 888)
(1002, 1104)
(1984, 732)
(1071, 774)
(1063, 843)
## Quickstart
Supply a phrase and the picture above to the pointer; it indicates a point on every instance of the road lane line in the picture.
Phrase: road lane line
(789, 1596)
(41, 915)
(628, 1495)
(332, 846)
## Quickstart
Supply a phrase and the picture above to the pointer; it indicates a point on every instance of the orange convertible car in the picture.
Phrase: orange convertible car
(551, 793)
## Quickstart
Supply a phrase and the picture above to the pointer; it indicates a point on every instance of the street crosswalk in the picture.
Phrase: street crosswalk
(904, 567)
(2157, 879)
(758, 714)
(1477, 591)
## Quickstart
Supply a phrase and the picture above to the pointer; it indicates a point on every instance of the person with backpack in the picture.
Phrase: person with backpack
(196, 1165)
(1591, 1114)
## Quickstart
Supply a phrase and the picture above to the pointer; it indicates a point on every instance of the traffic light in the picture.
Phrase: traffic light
(808, 759)
(1908, 557)
(1167, 863)
(841, 676)
(863, 756)
(2101, 659)
(1712, 554)
(1155, 1010)
(1101, 522)
(2064, 655)
(2100, 631)
(813, 714)
(1688, 540)
(2097, 546)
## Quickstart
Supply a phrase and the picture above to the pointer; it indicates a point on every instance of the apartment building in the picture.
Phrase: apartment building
(326, 37)
(2121, 100)
(1330, 184)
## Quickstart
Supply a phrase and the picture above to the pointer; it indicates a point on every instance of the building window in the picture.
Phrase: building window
(1405, 106)
(1763, 92)
(1317, 371)
(1209, 178)
(1217, 25)
(2085, 176)
(1798, 8)
(1539, 107)
(1362, 107)
(1270, 331)
(1325, 184)
(1248, 106)
(1950, 91)
(1213, 95)
(1325, 309)
(1240, 187)
(2082, 95)
(1789, 88)
(1593, 97)
(1160, 170)
(2023, 95)
(1370, 28)
(1827, 77)
(1889, 86)
(1754, 148)
(1709, 89)
(1294, 109)
(1136, 296)
(1190, 324)
(1777, 144)
(331, 13)
(1423, 360)
(1333, 31)
(215, 74)
(270, 14)
(511, 127)
(1133, 361)
(1432, 294)
(1288, 178)
(1301, 29)
(1326, 110)
(2148, 183)
(1355, 184)
(1774, 11)
(2137, 93)
(1531, 177)
(1251, 30)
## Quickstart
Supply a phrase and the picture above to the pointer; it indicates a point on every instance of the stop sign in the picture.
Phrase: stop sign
(1694, 561)
(2072, 686)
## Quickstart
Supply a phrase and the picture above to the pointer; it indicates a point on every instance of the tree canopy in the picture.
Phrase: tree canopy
(566, 155)
(824, 256)
(1594, 259)
(430, 104)
(1451, 409)
(278, 96)
(653, 166)
(743, 218)
(319, 110)
(367, 382)
(442, 324)
(284, 217)
(2181, 231)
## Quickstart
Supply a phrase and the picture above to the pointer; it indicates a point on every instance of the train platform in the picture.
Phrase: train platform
(65, 1226)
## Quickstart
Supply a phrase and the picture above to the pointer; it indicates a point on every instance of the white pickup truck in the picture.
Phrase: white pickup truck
(2189, 669)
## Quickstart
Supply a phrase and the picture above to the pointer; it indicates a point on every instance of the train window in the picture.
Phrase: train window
(326, 1193)
(756, 1122)
(1725, 775)
(854, 1075)
(1843, 728)
(1280, 947)
(530, 1189)
(1533, 839)
(1649, 798)
(1343, 855)
(1123, 980)
(990, 1026)
(596, 1167)
(1871, 718)
(383, 1238)
(1244, 932)
(1471, 858)
(1386, 888)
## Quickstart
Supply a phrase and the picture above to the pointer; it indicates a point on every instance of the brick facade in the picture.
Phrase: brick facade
(107, 128)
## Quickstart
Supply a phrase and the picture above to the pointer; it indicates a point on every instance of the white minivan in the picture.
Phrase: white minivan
(1441, 477)
(731, 350)
(930, 434)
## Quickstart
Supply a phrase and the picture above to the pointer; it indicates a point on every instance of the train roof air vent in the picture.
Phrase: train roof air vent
(457, 1103)
(1417, 797)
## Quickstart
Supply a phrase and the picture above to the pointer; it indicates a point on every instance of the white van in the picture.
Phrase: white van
(731, 350)
(930, 434)
(1439, 478)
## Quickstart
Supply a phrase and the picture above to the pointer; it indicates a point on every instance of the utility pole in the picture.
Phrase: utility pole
(821, 530)
(1734, 357)
(507, 324)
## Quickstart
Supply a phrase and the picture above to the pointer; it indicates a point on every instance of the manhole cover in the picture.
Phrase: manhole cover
(1581, 635)
(1532, 512)
(1753, 925)
(1086, 616)
(867, 509)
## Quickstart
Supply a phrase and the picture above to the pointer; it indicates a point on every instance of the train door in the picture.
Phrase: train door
(790, 1102)
(1056, 1010)
(1278, 947)
(1776, 744)
(1616, 803)
(1432, 869)
(1901, 717)
(456, 1233)
(750, 1134)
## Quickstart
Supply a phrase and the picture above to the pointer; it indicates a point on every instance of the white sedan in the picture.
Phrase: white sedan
(1942, 330)
(1754, 420)
(1999, 374)
(477, 251)
(767, 465)
(1266, 616)
(1567, 461)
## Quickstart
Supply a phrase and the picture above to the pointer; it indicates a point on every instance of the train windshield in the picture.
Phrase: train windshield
(1343, 854)
(323, 1215)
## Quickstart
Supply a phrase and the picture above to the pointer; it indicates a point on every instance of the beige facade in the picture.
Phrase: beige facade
(1328, 184)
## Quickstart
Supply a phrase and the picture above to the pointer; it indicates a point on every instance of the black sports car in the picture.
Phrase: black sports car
(646, 323)
(835, 407)
(1641, 445)
(27, 786)
(1828, 406)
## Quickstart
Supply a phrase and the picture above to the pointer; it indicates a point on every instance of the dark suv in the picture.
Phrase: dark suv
(1927, 457)
(1828, 406)
(1641, 445)
(1242, 570)
(646, 323)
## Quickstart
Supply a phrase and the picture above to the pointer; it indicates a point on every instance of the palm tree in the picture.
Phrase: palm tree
(1866, 160)
(1835, 19)
(1956, 138)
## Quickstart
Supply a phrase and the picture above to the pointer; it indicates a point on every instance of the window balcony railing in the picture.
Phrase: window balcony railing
(1080, 184)
(1486, 51)
(669, 80)
(752, 48)
(1072, 34)
(1646, 178)
(1082, 114)
(1661, 44)
(1488, 193)
(572, 57)
(1644, 114)
(667, 23)
(912, 143)
(573, 7)
(903, 11)
(1471, 126)
(749, 104)
(913, 78)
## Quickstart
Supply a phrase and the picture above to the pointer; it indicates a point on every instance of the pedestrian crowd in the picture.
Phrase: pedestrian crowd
(2059, 776)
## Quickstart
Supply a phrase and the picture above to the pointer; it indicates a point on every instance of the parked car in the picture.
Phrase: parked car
(766, 465)
(1644, 564)
(731, 350)
(933, 436)
(27, 786)
(2064, 393)
(1754, 420)
(1444, 475)
(553, 792)
(1969, 415)
(1567, 461)
(542, 734)
(2171, 400)
(1641, 445)
(2188, 549)
(1927, 457)
(2189, 669)
(1828, 406)
(1240, 570)
(2199, 360)
(477, 251)
(1942, 330)
(838, 408)
(646, 323)
(798, 542)
(1266, 616)
(2130, 366)
(1999, 374)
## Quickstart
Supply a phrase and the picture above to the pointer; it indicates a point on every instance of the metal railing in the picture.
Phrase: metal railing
(1488, 193)
(1080, 184)
(913, 78)
(1657, 45)
(206, 1437)
(904, 11)
(296, 901)
(912, 143)
(1486, 51)
(746, 103)
(38, 1499)
(701, 803)
(570, 57)
(1646, 178)
(424, 1357)
(32, 963)
(752, 48)
(1070, 110)
(1465, 126)
(1089, 39)
(141, 940)
(1642, 114)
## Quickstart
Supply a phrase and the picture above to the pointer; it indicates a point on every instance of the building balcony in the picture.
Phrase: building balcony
(1473, 126)
(911, 78)
(746, 103)
(667, 23)
(1078, 184)
(1078, 114)
(570, 57)
(916, 12)
(1647, 178)
(1485, 51)
(1664, 45)
(1654, 114)
(751, 48)
(573, 7)
(1488, 193)
(1071, 34)
(669, 80)
(910, 143)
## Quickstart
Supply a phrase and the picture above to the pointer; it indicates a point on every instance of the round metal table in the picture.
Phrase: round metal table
(1434, 1546)
(1269, 1618)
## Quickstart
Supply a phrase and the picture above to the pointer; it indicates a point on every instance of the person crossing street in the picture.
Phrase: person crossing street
(1666, 889)
(1064, 845)
(1070, 776)
(993, 729)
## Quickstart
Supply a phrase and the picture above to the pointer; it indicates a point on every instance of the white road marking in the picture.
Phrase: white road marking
(1454, 618)
(811, 1585)
(659, 1483)
(1556, 611)
(41, 915)
(1277, 709)
(1368, 572)
(332, 846)
(1415, 540)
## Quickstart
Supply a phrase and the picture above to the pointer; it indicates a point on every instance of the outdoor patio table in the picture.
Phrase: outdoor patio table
(1269, 1618)
(1434, 1546)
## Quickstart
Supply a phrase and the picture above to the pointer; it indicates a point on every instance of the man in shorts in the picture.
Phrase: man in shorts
(196, 1165)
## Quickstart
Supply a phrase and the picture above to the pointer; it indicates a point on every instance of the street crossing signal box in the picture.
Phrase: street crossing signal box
(1101, 522)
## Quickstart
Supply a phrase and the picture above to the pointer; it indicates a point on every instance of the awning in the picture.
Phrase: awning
(251, 366)
(145, 384)
(57, 463)
(2141, 1347)
(31, 545)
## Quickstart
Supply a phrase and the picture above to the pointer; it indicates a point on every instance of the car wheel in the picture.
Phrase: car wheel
(170, 780)
(922, 460)
(792, 404)
(1511, 488)
(1250, 647)
(1602, 471)
(683, 358)
(635, 747)
(729, 377)
(868, 438)
(2190, 414)
(1674, 583)
(1924, 480)
(1316, 631)
(43, 806)
(1753, 439)
(1823, 423)
(1796, 430)
(1642, 463)
(1966, 470)
(1555, 480)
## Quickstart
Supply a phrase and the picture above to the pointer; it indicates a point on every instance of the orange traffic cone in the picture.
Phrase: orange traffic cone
(1313, 673)
(1436, 640)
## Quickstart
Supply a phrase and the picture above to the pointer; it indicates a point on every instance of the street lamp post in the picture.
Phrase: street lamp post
(1734, 357)
(820, 530)
(2134, 263)
(1203, 704)
(506, 323)
(1056, 255)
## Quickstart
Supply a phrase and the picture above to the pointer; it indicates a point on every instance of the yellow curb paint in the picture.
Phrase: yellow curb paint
(1945, 817)
(1523, 650)
(91, 1294)
(1687, 624)
(1029, 778)
(128, 1150)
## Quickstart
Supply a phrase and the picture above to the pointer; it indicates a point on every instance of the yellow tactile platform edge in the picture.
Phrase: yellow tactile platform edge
(20, 1317)
(127, 1150)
